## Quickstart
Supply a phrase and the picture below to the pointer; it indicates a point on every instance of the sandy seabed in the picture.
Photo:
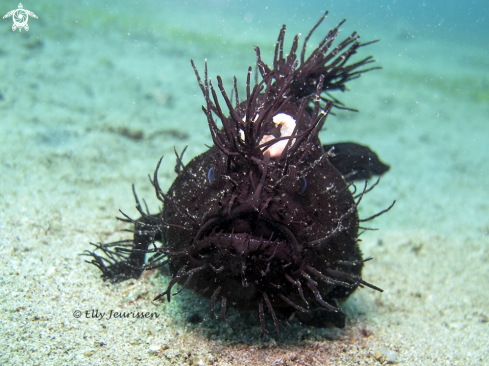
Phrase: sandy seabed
(88, 107)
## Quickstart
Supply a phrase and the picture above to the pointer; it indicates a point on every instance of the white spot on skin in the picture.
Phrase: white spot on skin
(287, 125)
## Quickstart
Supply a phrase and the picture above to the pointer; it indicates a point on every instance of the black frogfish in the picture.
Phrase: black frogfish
(266, 218)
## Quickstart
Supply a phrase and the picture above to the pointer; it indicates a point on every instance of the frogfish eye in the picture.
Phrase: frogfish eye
(303, 185)
(211, 178)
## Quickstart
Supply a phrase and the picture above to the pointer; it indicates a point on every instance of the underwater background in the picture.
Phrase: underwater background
(94, 93)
